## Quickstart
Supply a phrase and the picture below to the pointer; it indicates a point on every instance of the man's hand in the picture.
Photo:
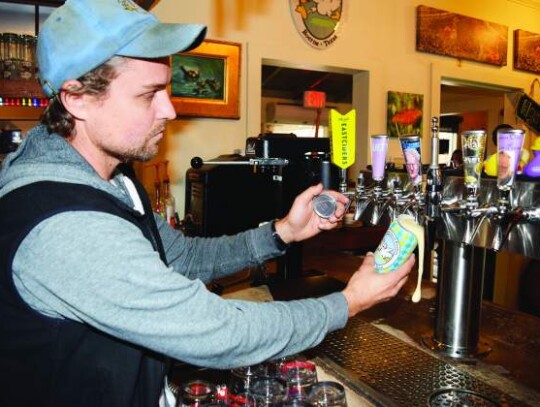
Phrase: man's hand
(302, 222)
(367, 287)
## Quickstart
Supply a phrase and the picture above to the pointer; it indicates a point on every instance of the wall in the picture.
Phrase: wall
(378, 37)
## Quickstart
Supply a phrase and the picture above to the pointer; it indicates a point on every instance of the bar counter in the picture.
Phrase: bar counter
(512, 366)
(385, 355)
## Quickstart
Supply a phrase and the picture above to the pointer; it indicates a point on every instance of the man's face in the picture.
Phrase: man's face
(128, 122)
(505, 165)
(412, 164)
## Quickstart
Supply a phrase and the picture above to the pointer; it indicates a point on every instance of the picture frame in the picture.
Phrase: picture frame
(205, 81)
(404, 114)
(526, 46)
(450, 34)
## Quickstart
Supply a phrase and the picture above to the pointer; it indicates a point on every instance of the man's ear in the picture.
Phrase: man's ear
(74, 103)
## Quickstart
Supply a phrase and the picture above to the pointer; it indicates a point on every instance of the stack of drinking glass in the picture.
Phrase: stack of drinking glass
(285, 382)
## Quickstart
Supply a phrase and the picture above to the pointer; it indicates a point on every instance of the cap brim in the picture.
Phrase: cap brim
(164, 40)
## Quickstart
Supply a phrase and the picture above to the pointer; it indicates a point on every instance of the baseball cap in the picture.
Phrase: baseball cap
(83, 34)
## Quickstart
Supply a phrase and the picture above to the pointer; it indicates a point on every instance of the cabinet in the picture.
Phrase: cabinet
(23, 17)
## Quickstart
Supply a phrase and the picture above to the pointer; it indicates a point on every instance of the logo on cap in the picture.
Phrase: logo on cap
(129, 5)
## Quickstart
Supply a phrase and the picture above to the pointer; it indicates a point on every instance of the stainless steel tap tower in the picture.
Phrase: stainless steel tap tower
(467, 229)
(466, 215)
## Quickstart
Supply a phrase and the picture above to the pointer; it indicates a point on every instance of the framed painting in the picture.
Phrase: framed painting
(527, 51)
(404, 114)
(205, 81)
(450, 34)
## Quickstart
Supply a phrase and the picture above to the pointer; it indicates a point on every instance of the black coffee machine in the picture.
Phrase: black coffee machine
(232, 193)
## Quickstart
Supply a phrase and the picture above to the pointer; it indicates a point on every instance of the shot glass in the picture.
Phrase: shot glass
(268, 391)
(300, 376)
(197, 393)
(327, 394)
(242, 377)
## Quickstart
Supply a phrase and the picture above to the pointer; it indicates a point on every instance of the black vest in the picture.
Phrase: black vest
(50, 362)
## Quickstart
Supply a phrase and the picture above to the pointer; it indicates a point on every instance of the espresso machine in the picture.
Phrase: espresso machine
(232, 193)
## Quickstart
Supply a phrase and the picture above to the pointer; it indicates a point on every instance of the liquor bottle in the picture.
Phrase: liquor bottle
(159, 206)
(168, 198)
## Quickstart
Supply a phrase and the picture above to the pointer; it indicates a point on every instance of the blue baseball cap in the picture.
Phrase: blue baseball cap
(83, 34)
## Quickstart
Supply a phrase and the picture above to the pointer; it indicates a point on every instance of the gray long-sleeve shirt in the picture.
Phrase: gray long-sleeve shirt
(99, 269)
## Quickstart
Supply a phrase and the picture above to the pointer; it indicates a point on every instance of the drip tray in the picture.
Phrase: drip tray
(390, 372)
(459, 397)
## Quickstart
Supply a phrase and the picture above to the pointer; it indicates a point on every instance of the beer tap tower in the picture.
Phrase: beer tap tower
(466, 229)
(457, 213)
(373, 205)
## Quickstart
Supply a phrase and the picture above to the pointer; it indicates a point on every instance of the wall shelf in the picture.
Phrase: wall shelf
(20, 113)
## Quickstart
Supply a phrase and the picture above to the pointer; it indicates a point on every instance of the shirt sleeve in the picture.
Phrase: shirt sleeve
(107, 275)
(216, 257)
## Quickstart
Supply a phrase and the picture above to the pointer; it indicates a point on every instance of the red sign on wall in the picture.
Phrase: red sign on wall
(314, 99)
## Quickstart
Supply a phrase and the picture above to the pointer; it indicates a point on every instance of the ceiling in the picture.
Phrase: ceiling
(456, 93)
(290, 83)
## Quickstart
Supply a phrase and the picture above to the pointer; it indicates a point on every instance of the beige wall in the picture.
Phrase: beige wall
(378, 36)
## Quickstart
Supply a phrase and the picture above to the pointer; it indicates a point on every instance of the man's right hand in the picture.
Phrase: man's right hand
(367, 287)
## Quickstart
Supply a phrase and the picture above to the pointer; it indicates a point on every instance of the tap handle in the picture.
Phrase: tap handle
(509, 145)
(434, 163)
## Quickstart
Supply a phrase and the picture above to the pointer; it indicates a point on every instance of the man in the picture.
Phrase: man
(505, 173)
(413, 164)
(96, 292)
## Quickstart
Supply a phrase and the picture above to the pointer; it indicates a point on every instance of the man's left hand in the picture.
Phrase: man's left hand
(302, 222)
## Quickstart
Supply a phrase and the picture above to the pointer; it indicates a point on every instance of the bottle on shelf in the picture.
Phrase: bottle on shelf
(158, 199)
(168, 198)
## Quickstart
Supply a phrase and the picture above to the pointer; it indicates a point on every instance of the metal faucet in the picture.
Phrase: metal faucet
(371, 204)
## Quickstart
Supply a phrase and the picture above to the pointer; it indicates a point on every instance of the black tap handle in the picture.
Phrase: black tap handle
(197, 162)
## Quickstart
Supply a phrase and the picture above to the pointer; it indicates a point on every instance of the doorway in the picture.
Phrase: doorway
(283, 87)
(466, 105)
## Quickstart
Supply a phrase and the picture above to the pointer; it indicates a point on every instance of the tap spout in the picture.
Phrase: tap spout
(504, 225)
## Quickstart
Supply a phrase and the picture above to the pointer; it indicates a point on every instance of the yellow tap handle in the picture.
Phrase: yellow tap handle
(343, 138)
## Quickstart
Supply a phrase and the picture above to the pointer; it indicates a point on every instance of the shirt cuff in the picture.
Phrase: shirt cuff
(338, 310)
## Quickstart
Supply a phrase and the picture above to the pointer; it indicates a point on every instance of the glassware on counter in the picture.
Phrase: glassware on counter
(327, 394)
(242, 377)
(196, 393)
(300, 377)
(268, 391)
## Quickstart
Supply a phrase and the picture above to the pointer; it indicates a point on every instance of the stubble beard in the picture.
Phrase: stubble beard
(143, 153)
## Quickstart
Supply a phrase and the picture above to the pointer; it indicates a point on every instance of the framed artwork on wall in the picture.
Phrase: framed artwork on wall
(527, 51)
(444, 33)
(404, 114)
(205, 81)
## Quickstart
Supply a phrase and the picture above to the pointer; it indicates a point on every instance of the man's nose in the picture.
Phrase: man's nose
(166, 108)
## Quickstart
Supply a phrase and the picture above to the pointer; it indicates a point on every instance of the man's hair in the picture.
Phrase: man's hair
(96, 83)
(414, 152)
